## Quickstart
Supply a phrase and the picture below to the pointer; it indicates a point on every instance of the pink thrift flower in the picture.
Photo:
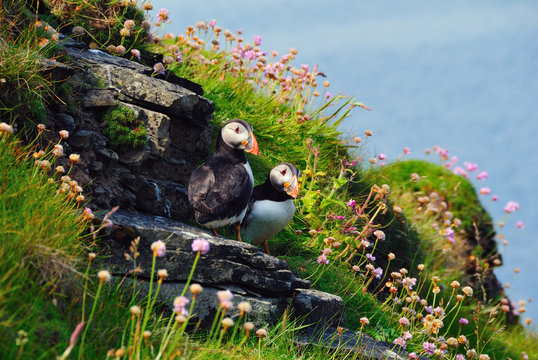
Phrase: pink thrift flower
(482, 175)
(257, 40)
(454, 159)
(470, 166)
(379, 234)
(159, 68)
(329, 94)
(485, 191)
(406, 150)
(511, 206)
(463, 321)
(519, 224)
(428, 347)
(378, 272)
(163, 15)
(225, 295)
(135, 53)
(407, 335)
(400, 341)
(370, 257)
(159, 248)
(356, 268)
(201, 245)
(458, 170)
(381, 156)
(322, 259)
(494, 198)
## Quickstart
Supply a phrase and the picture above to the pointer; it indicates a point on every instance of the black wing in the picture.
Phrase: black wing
(218, 190)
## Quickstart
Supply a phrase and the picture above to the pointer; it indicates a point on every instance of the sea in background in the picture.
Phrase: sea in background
(462, 75)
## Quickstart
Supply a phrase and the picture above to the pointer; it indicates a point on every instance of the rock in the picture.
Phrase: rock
(361, 345)
(100, 98)
(134, 157)
(65, 122)
(56, 72)
(81, 139)
(96, 166)
(106, 154)
(314, 306)
(263, 280)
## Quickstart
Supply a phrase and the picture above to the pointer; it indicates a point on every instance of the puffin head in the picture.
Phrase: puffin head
(238, 134)
(284, 177)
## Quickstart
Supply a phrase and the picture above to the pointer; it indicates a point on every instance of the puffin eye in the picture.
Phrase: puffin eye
(283, 172)
(237, 130)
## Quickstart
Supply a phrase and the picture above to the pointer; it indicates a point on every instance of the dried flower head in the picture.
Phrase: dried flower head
(159, 248)
(261, 333)
(135, 310)
(104, 275)
(196, 289)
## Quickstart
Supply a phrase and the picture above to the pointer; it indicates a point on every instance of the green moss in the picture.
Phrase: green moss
(123, 129)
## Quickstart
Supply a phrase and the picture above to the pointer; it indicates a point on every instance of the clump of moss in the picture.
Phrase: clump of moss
(124, 129)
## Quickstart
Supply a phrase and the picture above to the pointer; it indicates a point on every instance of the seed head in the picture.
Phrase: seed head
(135, 310)
(261, 333)
(104, 275)
(364, 321)
(248, 326)
(196, 289)
(244, 307)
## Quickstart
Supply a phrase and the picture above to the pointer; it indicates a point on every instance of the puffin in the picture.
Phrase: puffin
(271, 205)
(220, 189)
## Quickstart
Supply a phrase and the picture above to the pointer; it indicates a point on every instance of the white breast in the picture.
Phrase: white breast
(249, 171)
(266, 219)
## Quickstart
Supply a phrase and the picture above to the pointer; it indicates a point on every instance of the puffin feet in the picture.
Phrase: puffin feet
(238, 229)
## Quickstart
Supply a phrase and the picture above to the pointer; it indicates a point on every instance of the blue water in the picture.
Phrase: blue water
(460, 74)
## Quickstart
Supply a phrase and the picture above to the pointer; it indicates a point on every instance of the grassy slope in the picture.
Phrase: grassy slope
(40, 235)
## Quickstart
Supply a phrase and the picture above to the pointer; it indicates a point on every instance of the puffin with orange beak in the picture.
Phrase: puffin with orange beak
(271, 205)
(219, 189)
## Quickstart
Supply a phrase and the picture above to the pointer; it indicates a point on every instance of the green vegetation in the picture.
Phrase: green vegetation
(390, 241)
(123, 129)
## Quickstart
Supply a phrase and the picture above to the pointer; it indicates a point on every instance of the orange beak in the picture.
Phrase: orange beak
(252, 146)
(293, 189)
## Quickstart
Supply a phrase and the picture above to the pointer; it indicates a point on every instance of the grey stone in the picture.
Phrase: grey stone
(351, 344)
(154, 94)
(106, 154)
(56, 71)
(263, 280)
(100, 98)
(96, 166)
(81, 139)
(65, 122)
(313, 306)
(134, 157)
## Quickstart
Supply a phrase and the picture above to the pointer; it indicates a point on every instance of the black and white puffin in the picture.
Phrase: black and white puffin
(271, 206)
(220, 189)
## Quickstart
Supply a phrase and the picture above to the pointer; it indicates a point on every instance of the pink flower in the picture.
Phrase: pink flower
(328, 95)
(470, 166)
(201, 245)
(494, 198)
(404, 321)
(179, 305)
(454, 159)
(225, 295)
(257, 40)
(463, 321)
(322, 259)
(458, 170)
(379, 234)
(511, 206)
(400, 341)
(406, 150)
(159, 68)
(485, 190)
(377, 272)
(159, 248)
(407, 335)
(370, 257)
(351, 203)
(163, 15)
(482, 175)
(135, 53)
(428, 347)
(356, 268)
(381, 156)
(519, 224)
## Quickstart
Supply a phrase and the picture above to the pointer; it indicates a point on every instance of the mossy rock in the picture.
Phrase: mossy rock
(124, 130)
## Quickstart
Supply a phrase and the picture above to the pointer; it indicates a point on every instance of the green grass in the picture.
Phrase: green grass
(123, 129)
(43, 236)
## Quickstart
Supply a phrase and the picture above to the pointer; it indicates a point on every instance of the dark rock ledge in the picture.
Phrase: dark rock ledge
(264, 281)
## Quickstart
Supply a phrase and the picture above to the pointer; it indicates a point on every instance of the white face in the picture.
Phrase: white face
(235, 135)
(282, 177)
